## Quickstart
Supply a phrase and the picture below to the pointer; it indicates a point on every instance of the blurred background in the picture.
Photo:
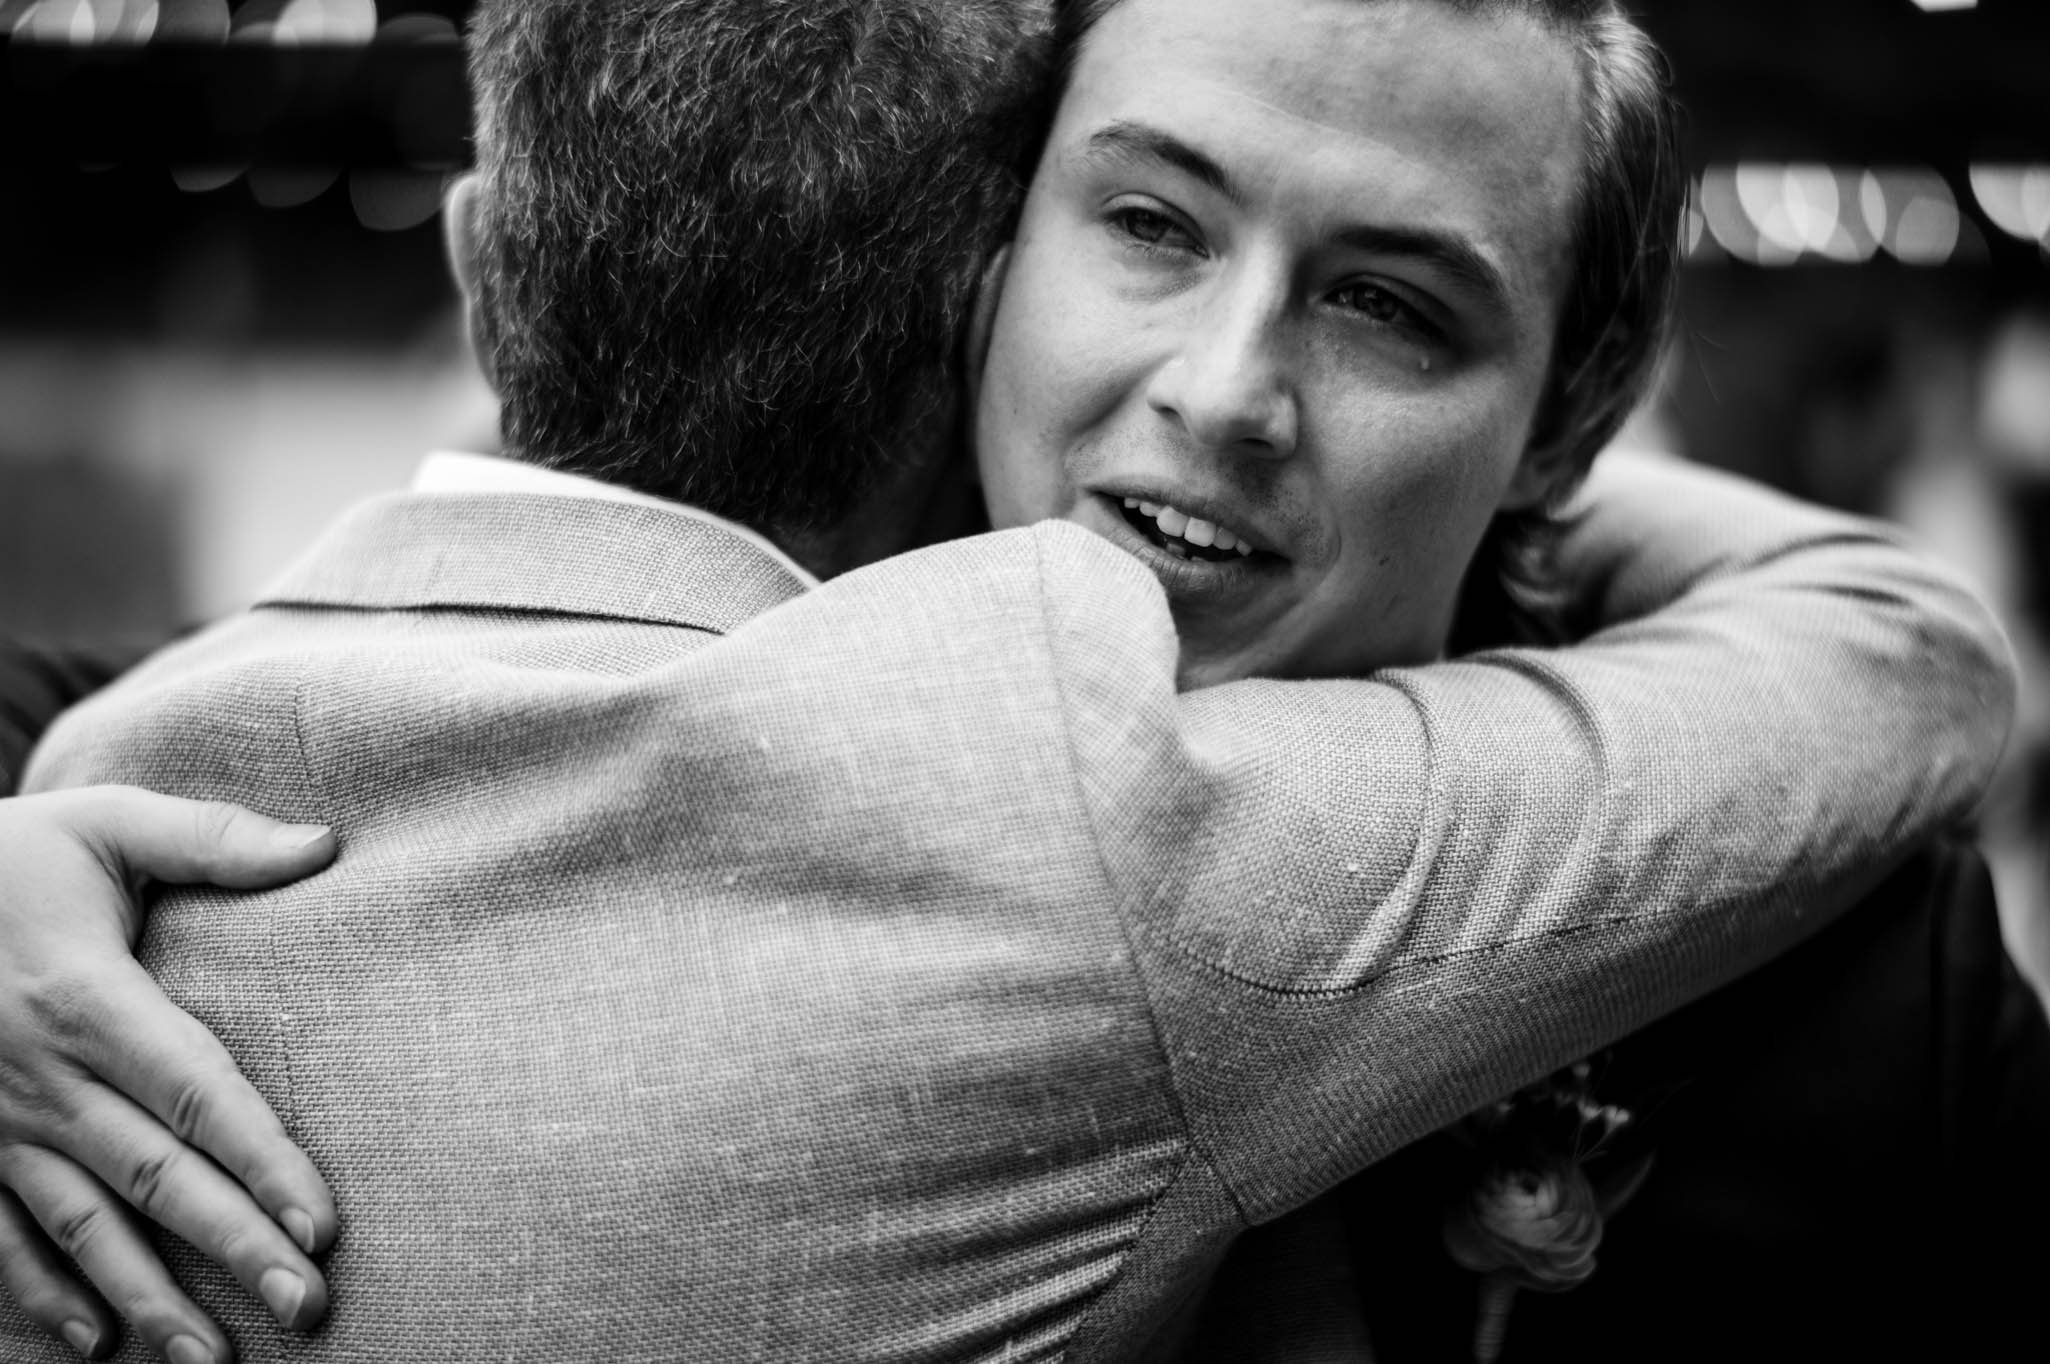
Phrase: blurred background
(223, 312)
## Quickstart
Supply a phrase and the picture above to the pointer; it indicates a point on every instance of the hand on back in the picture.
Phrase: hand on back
(114, 1102)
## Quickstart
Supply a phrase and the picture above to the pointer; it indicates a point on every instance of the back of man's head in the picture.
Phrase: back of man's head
(722, 250)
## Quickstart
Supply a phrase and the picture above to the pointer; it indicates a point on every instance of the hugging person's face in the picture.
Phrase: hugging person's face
(1279, 313)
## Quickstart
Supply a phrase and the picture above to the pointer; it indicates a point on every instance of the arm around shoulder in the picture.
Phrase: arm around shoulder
(1488, 867)
(1787, 702)
(1649, 531)
(1897, 641)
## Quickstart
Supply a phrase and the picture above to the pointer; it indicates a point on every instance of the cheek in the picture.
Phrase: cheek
(1016, 450)
(1467, 444)
(1424, 479)
(1436, 452)
(1052, 377)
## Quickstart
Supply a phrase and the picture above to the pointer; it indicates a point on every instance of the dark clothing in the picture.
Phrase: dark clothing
(1851, 1161)
(38, 681)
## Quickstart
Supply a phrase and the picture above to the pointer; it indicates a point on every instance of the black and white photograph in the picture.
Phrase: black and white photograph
(985, 681)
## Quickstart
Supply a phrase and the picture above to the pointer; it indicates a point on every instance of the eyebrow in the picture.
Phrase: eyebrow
(1452, 256)
(1124, 140)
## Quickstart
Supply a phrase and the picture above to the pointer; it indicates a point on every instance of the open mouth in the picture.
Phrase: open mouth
(1183, 536)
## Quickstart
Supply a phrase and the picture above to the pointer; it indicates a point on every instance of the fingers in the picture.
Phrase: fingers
(188, 1195)
(88, 1223)
(82, 1024)
(188, 842)
(41, 1281)
(149, 1049)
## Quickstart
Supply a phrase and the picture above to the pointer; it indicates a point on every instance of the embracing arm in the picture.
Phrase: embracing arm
(110, 1097)
(113, 1099)
(1389, 901)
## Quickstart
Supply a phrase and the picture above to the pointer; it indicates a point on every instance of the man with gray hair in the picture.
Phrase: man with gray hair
(723, 966)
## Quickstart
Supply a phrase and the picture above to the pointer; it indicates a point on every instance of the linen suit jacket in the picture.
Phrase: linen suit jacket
(902, 970)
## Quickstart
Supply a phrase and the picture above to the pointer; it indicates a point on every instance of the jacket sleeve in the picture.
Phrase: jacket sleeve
(1366, 907)
(39, 681)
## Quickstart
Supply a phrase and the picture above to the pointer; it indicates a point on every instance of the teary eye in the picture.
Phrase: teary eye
(1376, 303)
(1382, 307)
(1149, 227)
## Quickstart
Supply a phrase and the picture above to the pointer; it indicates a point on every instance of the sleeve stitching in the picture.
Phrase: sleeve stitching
(1409, 964)
(317, 790)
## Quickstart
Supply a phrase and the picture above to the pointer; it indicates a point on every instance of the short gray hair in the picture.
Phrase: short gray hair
(728, 246)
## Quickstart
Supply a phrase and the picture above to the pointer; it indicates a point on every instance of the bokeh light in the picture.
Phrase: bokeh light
(1767, 213)
(205, 179)
(306, 22)
(2015, 198)
(80, 22)
(394, 200)
(1799, 210)
(1723, 213)
(290, 186)
(2014, 418)
(1912, 213)
(418, 28)
(192, 21)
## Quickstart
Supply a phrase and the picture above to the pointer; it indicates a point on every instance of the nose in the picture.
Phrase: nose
(1229, 382)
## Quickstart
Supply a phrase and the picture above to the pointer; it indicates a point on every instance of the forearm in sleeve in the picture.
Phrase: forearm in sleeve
(1391, 900)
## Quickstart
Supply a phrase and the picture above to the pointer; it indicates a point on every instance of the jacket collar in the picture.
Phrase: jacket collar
(498, 551)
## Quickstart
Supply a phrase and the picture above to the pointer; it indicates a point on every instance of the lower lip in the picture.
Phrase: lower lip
(1186, 580)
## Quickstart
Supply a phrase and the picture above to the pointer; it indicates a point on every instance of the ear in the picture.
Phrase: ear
(463, 243)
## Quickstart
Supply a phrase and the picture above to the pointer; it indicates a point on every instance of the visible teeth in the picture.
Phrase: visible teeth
(1183, 529)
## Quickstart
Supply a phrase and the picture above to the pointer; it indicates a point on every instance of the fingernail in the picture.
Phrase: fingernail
(187, 1350)
(300, 1226)
(81, 1337)
(293, 837)
(283, 1291)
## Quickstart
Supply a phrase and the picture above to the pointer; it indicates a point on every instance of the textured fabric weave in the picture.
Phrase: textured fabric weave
(901, 970)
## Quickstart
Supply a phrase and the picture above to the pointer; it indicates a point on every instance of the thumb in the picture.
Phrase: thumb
(140, 834)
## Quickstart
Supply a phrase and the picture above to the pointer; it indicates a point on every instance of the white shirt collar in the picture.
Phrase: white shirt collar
(449, 471)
